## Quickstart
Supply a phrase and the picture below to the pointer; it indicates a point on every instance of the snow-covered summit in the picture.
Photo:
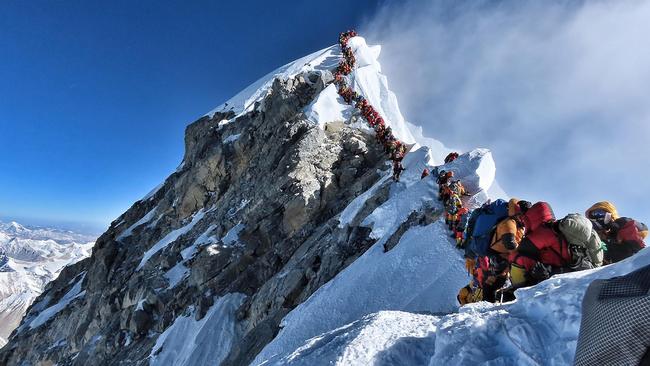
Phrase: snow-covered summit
(367, 79)
(244, 101)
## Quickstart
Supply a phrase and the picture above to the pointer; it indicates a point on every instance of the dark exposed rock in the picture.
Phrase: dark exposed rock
(283, 180)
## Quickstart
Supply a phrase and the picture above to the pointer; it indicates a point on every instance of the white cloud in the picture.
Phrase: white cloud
(557, 90)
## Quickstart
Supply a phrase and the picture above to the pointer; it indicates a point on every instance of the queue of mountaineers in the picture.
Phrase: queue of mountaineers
(507, 244)
(513, 244)
(394, 148)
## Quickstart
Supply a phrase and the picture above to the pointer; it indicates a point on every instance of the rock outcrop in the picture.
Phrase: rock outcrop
(280, 191)
(251, 210)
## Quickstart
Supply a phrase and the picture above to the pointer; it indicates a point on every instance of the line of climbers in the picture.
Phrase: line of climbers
(508, 244)
(451, 192)
(395, 149)
(513, 244)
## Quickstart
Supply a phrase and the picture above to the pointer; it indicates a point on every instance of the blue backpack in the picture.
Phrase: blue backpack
(486, 220)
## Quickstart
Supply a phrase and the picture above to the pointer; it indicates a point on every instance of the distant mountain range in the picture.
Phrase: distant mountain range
(30, 257)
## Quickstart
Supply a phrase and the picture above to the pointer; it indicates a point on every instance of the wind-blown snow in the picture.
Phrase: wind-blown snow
(204, 342)
(170, 238)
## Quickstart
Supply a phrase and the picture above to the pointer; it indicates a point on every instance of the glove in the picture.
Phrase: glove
(540, 272)
(470, 264)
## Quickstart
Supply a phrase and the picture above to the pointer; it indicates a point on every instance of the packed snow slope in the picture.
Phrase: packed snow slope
(539, 328)
(420, 272)
(30, 257)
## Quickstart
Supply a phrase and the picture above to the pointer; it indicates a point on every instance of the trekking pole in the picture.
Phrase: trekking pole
(506, 288)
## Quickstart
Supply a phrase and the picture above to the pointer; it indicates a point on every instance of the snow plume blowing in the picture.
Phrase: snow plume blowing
(557, 90)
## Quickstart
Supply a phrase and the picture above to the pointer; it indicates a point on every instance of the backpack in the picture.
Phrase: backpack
(547, 246)
(538, 214)
(469, 228)
(488, 217)
(583, 239)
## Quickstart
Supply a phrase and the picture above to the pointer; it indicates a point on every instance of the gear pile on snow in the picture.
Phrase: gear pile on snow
(395, 149)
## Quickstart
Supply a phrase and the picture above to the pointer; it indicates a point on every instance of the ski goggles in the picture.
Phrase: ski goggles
(598, 214)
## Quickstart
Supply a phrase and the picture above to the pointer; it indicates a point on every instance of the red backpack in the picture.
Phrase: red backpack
(546, 246)
(537, 214)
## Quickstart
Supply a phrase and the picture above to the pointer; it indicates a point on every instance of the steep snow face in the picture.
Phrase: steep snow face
(29, 259)
(422, 273)
(329, 107)
(244, 101)
(539, 328)
(208, 341)
(368, 80)
(383, 338)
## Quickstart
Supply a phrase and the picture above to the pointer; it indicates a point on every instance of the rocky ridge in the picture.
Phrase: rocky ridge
(266, 208)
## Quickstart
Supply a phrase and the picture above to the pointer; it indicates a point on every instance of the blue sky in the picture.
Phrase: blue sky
(95, 96)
